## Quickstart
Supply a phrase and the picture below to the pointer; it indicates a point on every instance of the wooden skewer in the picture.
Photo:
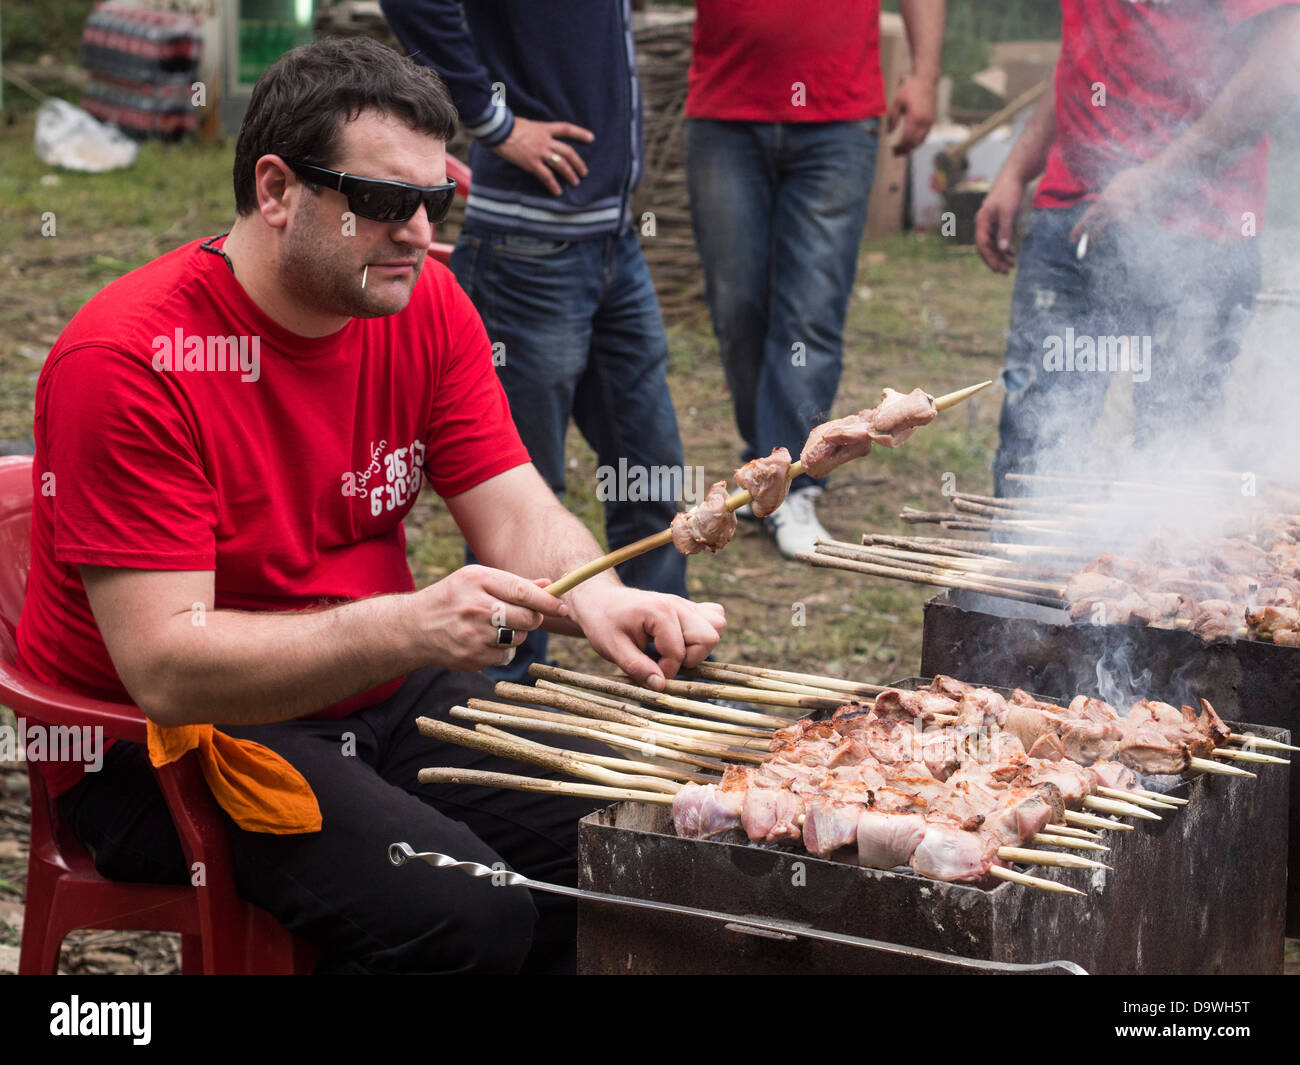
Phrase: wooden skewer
(1248, 756)
(623, 765)
(1052, 839)
(645, 695)
(1260, 742)
(981, 547)
(701, 689)
(831, 683)
(1122, 809)
(1222, 770)
(1073, 817)
(1176, 800)
(709, 671)
(1004, 569)
(990, 564)
(647, 744)
(511, 782)
(1102, 482)
(1135, 798)
(1034, 881)
(583, 708)
(952, 520)
(649, 733)
(558, 761)
(1036, 502)
(576, 711)
(1077, 833)
(1028, 856)
(915, 577)
(589, 704)
(736, 500)
(841, 549)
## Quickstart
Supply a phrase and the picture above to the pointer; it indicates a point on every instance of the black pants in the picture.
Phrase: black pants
(336, 887)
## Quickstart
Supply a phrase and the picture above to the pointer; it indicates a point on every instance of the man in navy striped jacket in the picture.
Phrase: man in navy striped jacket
(549, 254)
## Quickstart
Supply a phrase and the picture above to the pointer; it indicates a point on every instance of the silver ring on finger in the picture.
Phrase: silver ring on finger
(505, 637)
(554, 160)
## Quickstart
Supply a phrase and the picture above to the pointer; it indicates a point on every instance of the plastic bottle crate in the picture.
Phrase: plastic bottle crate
(142, 64)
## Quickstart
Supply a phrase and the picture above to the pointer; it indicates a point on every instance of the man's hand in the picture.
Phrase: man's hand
(457, 618)
(914, 104)
(995, 223)
(619, 621)
(533, 146)
(1126, 199)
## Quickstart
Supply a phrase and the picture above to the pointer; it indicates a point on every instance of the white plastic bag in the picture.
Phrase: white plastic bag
(69, 137)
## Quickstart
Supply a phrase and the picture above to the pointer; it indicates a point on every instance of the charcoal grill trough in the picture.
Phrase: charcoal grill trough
(1202, 891)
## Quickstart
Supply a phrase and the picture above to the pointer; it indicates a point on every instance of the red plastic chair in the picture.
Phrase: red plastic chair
(459, 173)
(220, 932)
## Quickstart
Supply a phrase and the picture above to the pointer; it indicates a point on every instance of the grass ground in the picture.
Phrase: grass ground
(923, 313)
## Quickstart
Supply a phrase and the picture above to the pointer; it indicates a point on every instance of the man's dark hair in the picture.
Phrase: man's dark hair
(300, 104)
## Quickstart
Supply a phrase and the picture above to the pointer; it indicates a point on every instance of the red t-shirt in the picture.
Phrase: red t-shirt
(1161, 65)
(782, 61)
(287, 475)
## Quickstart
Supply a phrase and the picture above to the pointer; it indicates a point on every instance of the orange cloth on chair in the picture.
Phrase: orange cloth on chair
(254, 785)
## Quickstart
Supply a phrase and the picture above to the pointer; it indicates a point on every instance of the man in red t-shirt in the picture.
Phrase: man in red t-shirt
(784, 108)
(227, 441)
(1140, 256)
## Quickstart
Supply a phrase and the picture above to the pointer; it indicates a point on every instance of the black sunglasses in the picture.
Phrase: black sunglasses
(379, 200)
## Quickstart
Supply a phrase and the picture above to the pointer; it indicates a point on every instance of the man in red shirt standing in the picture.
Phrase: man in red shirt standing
(231, 436)
(1140, 256)
(784, 107)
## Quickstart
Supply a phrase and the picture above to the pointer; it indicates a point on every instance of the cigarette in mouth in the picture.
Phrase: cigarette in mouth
(364, 270)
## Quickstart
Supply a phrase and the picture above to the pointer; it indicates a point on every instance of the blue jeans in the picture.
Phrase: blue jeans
(581, 336)
(778, 211)
(1186, 301)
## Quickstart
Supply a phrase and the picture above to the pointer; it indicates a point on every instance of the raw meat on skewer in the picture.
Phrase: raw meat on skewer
(708, 524)
(889, 424)
(767, 480)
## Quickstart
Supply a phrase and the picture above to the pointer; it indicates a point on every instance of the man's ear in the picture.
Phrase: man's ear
(277, 189)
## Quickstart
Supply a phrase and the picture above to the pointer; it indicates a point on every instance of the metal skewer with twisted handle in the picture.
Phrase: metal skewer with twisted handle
(734, 501)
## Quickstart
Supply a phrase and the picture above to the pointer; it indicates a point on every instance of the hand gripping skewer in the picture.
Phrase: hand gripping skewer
(402, 853)
(734, 501)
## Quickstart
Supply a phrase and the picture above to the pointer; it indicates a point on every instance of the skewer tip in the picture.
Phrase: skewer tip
(1034, 881)
(960, 396)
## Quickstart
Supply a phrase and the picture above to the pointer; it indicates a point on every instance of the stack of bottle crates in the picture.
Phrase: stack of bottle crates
(144, 67)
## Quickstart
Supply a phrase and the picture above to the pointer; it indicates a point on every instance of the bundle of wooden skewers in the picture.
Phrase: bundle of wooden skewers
(664, 745)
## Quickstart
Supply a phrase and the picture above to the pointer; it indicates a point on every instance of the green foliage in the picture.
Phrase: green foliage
(972, 25)
(34, 28)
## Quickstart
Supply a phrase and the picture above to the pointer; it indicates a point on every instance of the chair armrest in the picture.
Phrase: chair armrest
(54, 706)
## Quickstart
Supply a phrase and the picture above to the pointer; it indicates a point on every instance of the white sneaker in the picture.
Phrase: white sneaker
(794, 524)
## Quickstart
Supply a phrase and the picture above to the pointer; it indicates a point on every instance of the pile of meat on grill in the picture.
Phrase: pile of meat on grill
(709, 525)
(1241, 586)
(875, 787)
